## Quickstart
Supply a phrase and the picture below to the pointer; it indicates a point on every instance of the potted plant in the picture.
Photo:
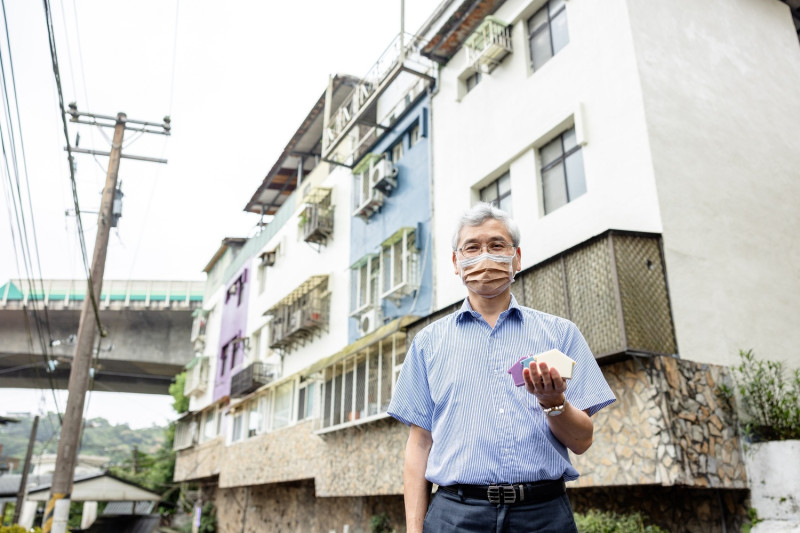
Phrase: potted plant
(768, 397)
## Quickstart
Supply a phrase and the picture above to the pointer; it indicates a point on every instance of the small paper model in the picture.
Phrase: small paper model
(559, 361)
(516, 372)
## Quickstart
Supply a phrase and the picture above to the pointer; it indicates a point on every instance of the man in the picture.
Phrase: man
(498, 452)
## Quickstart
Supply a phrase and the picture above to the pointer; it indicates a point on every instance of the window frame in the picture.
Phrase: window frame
(409, 263)
(560, 161)
(531, 34)
(498, 196)
(472, 81)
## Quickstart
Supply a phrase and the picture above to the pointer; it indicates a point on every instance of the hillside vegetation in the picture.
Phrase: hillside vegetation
(99, 438)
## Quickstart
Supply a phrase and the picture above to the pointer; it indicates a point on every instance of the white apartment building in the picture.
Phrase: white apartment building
(675, 118)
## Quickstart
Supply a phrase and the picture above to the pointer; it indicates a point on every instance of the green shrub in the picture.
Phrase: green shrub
(594, 521)
(769, 401)
(380, 523)
(16, 528)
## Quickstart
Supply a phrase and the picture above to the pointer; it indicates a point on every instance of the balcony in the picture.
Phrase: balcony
(301, 315)
(251, 378)
(488, 45)
(316, 220)
(359, 112)
(196, 377)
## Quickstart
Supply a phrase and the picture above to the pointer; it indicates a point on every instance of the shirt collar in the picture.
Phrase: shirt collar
(466, 310)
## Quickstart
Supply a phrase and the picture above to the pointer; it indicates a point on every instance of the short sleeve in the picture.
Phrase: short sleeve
(588, 388)
(411, 399)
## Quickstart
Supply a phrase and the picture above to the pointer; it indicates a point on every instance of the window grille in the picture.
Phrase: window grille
(360, 386)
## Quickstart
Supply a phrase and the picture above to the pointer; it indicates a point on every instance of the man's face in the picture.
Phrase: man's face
(485, 282)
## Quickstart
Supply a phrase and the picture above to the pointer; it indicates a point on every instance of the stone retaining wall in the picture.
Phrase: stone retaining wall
(200, 461)
(668, 448)
(669, 426)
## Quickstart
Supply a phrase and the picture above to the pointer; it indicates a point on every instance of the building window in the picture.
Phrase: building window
(210, 424)
(365, 283)
(397, 152)
(361, 385)
(238, 422)
(547, 32)
(265, 408)
(253, 419)
(399, 264)
(499, 193)
(237, 289)
(563, 177)
(472, 81)
(282, 407)
(306, 400)
(413, 135)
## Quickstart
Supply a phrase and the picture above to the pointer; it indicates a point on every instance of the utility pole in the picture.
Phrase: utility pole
(23, 483)
(57, 509)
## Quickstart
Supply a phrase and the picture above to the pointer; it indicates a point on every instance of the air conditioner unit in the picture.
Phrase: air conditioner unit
(383, 176)
(370, 321)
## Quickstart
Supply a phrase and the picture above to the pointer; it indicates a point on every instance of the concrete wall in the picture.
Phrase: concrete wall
(719, 82)
(498, 126)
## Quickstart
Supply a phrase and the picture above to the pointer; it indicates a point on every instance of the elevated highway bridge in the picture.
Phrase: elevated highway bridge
(148, 323)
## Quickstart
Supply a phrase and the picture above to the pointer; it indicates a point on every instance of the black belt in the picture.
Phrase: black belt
(540, 491)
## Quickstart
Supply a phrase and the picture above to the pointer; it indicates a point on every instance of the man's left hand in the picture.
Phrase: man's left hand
(545, 383)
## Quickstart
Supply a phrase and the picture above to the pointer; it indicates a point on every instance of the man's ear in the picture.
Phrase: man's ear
(455, 264)
(518, 258)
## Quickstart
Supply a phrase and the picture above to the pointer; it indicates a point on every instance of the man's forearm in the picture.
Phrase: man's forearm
(416, 488)
(573, 428)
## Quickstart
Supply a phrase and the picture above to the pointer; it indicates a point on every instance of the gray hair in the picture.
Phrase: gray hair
(480, 213)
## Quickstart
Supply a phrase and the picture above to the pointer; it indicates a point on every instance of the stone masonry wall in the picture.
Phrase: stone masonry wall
(293, 507)
(200, 461)
(669, 426)
(287, 454)
(364, 460)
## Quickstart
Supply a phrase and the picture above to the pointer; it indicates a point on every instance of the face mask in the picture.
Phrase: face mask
(487, 275)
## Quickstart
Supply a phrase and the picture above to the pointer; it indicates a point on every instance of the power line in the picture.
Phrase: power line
(28, 254)
(71, 159)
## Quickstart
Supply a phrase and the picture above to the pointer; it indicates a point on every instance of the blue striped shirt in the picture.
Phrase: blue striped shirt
(485, 429)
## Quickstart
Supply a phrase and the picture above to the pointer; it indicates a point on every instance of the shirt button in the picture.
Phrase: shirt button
(501, 411)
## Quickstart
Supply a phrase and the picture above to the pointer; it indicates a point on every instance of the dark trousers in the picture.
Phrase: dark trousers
(450, 512)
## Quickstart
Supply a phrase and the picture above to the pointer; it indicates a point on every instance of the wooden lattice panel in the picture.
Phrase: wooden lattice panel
(643, 293)
(545, 289)
(592, 299)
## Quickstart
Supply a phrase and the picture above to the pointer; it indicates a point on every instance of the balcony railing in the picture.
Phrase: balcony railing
(301, 315)
(251, 378)
(196, 377)
(488, 44)
(360, 109)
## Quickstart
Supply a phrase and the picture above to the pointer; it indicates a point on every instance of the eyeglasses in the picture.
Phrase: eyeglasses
(496, 248)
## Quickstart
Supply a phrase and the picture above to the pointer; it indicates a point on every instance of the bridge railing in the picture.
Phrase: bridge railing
(116, 294)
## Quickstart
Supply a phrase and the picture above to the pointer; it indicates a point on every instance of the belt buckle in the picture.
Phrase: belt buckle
(498, 494)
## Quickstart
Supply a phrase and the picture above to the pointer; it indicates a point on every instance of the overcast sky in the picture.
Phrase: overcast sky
(237, 80)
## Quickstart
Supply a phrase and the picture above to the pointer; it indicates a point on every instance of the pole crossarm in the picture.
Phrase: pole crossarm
(123, 156)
